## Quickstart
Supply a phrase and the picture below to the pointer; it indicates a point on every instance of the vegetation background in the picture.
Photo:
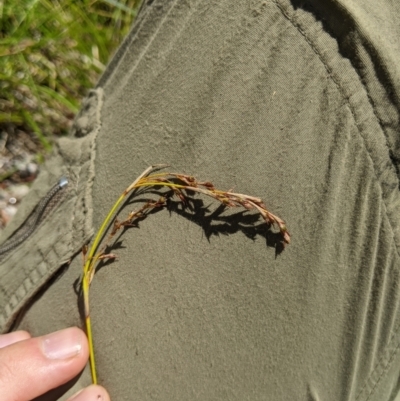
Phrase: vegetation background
(51, 53)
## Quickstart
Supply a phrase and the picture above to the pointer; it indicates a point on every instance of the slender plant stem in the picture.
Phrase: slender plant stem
(99, 235)
(89, 266)
(85, 288)
(91, 351)
(87, 277)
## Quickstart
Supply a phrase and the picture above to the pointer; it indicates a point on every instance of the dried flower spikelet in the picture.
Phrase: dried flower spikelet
(247, 205)
(187, 179)
(207, 184)
(286, 237)
(116, 227)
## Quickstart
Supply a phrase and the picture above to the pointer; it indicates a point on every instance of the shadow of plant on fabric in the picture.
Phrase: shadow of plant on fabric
(155, 191)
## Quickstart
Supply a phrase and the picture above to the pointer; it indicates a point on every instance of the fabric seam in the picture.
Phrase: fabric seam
(105, 78)
(381, 363)
(90, 160)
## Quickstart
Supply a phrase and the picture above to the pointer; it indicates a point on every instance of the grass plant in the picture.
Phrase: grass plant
(181, 186)
(51, 53)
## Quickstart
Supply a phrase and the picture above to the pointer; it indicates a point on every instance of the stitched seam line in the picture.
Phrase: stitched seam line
(367, 92)
(381, 362)
(386, 368)
(146, 47)
(22, 299)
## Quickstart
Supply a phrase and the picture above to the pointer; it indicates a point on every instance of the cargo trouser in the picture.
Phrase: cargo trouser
(296, 102)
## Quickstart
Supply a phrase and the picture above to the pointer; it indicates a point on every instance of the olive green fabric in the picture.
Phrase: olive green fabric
(25, 270)
(295, 102)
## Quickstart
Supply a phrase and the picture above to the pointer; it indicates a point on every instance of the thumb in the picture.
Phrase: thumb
(30, 367)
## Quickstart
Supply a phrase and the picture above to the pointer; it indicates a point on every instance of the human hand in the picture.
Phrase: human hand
(29, 367)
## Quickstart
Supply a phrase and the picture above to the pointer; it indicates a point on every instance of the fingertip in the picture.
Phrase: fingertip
(91, 393)
(32, 367)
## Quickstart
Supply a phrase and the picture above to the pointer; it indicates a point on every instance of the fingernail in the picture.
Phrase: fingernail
(62, 344)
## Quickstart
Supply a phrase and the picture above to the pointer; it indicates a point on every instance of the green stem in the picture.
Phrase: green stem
(89, 265)
(87, 274)
(101, 231)
(91, 350)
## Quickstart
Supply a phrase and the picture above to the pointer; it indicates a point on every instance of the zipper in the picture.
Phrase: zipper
(46, 204)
